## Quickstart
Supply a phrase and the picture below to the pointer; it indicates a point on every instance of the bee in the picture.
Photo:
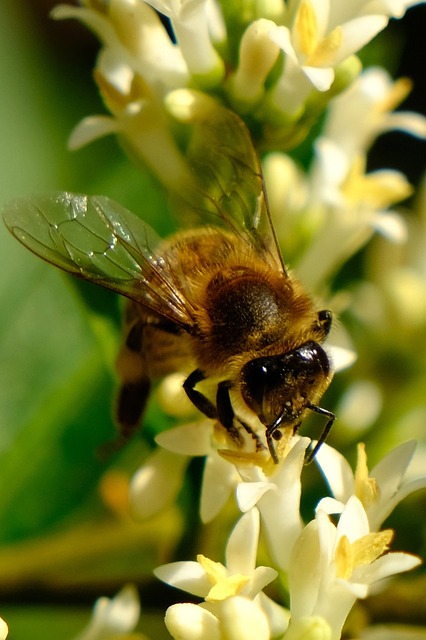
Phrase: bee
(213, 301)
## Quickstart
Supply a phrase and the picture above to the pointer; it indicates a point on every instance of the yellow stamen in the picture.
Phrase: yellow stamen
(223, 586)
(366, 488)
(227, 588)
(306, 27)
(215, 571)
(371, 546)
(377, 190)
(325, 52)
(395, 95)
(363, 551)
(344, 558)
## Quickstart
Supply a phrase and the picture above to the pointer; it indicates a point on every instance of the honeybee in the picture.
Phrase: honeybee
(214, 301)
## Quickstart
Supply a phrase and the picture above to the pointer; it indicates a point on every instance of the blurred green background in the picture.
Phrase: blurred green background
(65, 537)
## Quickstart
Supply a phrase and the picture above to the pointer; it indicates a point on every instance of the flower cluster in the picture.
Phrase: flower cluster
(324, 566)
(338, 203)
(328, 566)
(279, 65)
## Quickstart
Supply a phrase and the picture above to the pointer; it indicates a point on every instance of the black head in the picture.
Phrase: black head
(279, 389)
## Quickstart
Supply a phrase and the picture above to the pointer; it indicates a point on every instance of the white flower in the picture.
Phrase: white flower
(113, 617)
(233, 603)
(351, 205)
(277, 496)
(136, 67)
(368, 106)
(331, 566)
(161, 476)
(134, 42)
(379, 490)
(319, 38)
(257, 55)
(275, 489)
(157, 483)
(191, 20)
(336, 207)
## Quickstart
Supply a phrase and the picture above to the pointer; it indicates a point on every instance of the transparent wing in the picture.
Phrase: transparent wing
(98, 240)
(226, 187)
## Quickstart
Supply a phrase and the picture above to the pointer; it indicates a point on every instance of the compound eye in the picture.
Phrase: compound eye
(254, 379)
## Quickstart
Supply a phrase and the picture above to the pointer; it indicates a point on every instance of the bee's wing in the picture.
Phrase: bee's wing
(98, 240)
(227, 187)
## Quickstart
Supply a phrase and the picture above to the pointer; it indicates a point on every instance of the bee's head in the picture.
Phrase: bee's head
(279, 388)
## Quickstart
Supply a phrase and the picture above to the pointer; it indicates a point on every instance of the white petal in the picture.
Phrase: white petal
(357, 33)
(336, 471)
(379, 514)
(241, 550)
(385, 566)
(248, 494)
(191, 622)
(219, 479)
(390, 471)
(309, 627)
(280, 509)
(322, 15)
(189, 439)
(90, 129)
(322, 79)
(341, 357)
(261, 577)
(393, 8)
(357, 589)
(282, 38)
(115, 70)
(327, 534)
(94, 20)
(242, 618)
(330, 169)
(157, 483)
(407, 121)
(114, 616)
(330, 506)
(188, 576)
(277, 615)
(353, 522)
(391, 225)
(304, 573)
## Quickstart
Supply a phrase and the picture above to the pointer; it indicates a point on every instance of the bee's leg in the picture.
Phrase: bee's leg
(136, 384)
(199, 400)
(331, 418)
(227, 416)
(225, 411)
(131, 403)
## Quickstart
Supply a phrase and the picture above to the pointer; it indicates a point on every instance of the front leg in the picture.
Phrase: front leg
(227, 416)
(198, 399)
(223, 410)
